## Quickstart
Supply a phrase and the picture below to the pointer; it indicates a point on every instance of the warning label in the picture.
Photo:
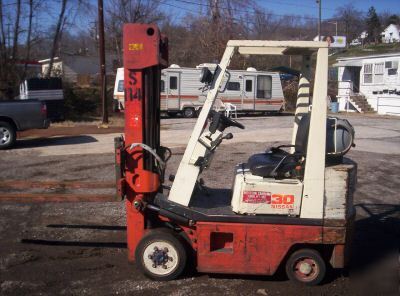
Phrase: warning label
(257, 197)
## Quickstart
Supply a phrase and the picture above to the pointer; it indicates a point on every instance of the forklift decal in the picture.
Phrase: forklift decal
(257, 197)
(135, 46)
(282, 201)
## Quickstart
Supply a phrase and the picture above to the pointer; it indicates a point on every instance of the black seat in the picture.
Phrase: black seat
(277, 162)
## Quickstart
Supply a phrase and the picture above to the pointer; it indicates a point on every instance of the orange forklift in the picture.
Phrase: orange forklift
(289, 207)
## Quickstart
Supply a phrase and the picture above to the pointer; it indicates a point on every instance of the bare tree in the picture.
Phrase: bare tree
(16, 30)
(57, 33)
(3, 40)
(350, 20)
(119, 12)
(28, 37)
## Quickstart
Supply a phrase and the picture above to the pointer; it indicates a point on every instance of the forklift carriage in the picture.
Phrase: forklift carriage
(290, 206)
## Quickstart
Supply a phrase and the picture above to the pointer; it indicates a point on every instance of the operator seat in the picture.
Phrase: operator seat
(277, 161)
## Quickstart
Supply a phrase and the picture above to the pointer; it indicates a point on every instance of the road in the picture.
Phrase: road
(374, 134)
(79, 249)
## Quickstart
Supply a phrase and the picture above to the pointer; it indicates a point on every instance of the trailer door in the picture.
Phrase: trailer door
(249, 84)
(173, 91)
(263, 93)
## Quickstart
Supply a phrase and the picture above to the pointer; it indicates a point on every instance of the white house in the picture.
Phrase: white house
(391, 34)
(369, 83)
(360, 39)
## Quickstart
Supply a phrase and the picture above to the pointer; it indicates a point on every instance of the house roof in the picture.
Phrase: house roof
(357, 61)
(84, 64)
(397, 54)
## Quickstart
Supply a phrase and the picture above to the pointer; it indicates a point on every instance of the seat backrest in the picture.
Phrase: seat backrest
(302, 134)
(339, 136)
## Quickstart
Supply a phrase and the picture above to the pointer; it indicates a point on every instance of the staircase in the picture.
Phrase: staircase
(361, 103)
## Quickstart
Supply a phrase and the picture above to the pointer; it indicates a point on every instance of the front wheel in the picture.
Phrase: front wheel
(189, 113)
(306, 266)
(8, 135)
(161, 255)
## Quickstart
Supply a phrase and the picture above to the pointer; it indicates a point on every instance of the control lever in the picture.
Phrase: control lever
(216, 143)
(228, 136)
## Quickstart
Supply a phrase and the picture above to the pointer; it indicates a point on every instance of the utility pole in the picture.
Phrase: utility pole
(103, 84)
(319, 19)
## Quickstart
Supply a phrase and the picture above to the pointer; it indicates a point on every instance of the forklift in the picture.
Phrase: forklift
(290, 207)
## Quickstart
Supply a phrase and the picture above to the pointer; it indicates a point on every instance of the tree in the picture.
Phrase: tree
(16, 31)
(373, 25)
(56, 38)
(350, 20)
(119, 12)
(28, 37)
(393, 19)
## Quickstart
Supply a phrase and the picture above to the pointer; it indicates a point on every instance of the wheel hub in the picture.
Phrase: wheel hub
(305, 268)
(160, 257)
(4, 136)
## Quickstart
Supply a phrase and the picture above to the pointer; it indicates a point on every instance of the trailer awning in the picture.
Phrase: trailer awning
(351, 63)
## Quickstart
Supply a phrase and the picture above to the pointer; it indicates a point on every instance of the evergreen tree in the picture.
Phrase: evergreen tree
(393, 19)
(373, 25)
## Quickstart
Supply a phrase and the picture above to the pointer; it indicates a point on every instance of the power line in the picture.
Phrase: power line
(233, 9)
(299, 4)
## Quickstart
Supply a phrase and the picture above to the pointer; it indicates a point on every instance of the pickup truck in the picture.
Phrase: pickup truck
(20, 115)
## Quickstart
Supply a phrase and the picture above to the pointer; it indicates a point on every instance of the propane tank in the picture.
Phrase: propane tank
(339, 137)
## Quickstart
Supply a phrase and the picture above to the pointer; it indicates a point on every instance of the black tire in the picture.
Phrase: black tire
(314, 268)
(189, 113)
(172, 114)
(160, 238)
(8, 135)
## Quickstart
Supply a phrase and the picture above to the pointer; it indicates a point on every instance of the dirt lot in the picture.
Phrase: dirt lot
(79, 249)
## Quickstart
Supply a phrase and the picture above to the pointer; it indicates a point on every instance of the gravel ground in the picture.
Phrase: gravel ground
(79, 249)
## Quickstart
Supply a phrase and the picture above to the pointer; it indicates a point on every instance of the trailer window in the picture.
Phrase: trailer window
(264, 87)
(249, 85)
(233, 86)
(162, 86)
(173, 82)
(120, 86)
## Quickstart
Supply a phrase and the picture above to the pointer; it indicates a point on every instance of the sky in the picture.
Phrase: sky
(179, 8)
(295, 7)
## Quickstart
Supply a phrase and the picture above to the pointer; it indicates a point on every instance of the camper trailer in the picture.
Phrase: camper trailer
(182, 92)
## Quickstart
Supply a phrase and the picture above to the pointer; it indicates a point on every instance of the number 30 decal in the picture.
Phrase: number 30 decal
(279, 199)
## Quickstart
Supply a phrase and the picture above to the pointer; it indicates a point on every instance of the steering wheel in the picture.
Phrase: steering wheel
(221, 122)
(230, 122)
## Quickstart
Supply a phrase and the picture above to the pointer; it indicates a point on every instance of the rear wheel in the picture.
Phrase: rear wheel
(172, 114)
(306, 266)
(161, 255)
(8, 135)
(189, 112)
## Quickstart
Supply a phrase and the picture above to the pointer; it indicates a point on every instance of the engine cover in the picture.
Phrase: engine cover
(257, 195)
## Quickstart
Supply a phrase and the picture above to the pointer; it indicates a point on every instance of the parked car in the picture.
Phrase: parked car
(20, 115)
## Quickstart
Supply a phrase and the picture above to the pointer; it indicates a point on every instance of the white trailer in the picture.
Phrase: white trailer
(182, 92)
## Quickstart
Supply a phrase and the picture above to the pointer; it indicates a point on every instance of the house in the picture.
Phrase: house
(360, 39)
(391, 34)
(369, 84)
(79, 69)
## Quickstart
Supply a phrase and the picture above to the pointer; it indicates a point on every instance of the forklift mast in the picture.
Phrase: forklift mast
(138, 175)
